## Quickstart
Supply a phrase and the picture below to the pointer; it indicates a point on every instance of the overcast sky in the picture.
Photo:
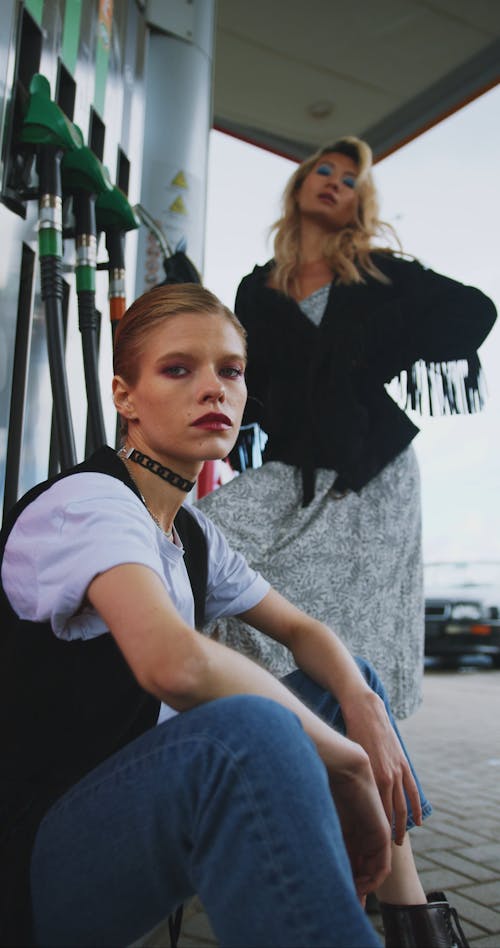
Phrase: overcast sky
(441, 192)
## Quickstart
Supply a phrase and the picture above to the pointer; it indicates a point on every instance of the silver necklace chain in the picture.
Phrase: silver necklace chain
(169, 534)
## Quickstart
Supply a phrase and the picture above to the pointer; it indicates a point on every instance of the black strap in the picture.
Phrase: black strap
(196, 559)
(174, 926)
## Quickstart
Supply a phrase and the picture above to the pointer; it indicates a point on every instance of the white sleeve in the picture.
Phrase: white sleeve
(80, 527)
(233, 586)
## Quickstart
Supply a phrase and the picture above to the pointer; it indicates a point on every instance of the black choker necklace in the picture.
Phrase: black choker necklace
(156, 468)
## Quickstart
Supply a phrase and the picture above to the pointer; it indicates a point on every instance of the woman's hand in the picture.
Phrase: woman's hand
(367, 723)
(322, 656)
(364, 824)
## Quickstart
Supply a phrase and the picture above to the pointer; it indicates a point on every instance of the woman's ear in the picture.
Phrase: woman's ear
(122, 397)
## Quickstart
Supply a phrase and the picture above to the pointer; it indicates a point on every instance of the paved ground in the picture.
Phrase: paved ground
(455, 744)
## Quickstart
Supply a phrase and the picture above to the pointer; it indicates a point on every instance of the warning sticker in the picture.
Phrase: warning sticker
(179, 181)
(178, 206)
(177, 196)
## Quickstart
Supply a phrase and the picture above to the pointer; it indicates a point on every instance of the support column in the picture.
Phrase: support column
(178, 118)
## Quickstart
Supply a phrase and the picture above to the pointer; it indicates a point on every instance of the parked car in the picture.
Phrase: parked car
(462, 610)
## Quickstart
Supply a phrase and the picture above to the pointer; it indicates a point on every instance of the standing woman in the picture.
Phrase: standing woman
(333, 516)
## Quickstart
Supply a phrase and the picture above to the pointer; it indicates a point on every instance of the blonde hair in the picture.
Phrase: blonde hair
(348, 250)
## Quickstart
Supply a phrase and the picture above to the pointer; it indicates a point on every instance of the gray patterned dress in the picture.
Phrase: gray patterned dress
(353, 562)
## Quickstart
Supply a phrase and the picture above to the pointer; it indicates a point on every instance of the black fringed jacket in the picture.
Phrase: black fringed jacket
(319, 393)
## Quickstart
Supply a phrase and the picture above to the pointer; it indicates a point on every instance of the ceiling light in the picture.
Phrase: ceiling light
(321, 109)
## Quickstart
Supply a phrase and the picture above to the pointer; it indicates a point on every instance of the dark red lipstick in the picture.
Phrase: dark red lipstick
(213, 421)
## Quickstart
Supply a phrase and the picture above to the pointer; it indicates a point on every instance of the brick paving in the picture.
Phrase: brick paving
(455, 743)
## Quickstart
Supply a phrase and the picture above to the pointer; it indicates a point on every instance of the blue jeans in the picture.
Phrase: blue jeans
(229, 800)
(328, 708)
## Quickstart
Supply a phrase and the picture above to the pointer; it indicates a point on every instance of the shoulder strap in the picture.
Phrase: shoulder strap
(196, 559)
(104, 461)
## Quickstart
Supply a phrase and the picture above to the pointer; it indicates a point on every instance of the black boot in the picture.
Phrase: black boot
(434, 925)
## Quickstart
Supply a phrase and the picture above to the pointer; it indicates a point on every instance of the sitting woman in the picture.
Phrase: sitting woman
(276, 802)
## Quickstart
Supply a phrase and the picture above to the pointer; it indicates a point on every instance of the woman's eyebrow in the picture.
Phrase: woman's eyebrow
(166, 356)
(174, 355)
(234, 355)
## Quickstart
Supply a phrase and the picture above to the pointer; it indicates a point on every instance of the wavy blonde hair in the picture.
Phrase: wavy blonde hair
(347, 251)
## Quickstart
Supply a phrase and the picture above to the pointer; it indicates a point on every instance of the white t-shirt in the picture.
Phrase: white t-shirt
(87, 523)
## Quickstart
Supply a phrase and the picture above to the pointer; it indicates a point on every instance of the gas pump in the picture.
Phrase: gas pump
(51, 134)
(115, 216)
(84, 178)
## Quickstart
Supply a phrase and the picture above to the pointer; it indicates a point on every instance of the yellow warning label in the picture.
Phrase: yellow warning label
(178, 206)
(180, 180)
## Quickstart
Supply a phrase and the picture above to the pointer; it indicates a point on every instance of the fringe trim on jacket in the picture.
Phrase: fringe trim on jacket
(443, 388)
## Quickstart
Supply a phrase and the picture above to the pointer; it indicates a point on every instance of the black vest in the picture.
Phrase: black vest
(64, 706)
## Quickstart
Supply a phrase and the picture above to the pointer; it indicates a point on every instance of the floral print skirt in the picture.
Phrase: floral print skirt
(353, 562)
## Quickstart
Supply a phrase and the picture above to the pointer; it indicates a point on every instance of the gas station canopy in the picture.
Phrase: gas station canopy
(291, 75)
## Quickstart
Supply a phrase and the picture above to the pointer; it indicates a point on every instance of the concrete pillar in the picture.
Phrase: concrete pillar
(177, 123)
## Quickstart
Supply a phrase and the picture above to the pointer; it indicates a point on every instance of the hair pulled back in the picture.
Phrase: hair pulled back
(154, 307)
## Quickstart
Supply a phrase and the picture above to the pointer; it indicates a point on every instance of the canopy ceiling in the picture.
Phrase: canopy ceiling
(291, 75)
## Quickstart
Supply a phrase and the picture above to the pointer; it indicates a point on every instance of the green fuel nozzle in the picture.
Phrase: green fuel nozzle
(45, 122)
(113, 210)
(84, 178)
(51, 133)
(115, 216)
(82, 171)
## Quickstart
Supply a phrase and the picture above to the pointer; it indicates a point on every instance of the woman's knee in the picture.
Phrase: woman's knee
(254, 716)
(259, 730)
(265, 744)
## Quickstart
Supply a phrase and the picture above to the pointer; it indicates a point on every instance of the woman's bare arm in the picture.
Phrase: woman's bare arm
(184, 668)
(321, 654)
(178, 664)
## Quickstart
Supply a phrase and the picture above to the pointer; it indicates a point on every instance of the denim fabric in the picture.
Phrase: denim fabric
(327, 708)
(229, 800)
